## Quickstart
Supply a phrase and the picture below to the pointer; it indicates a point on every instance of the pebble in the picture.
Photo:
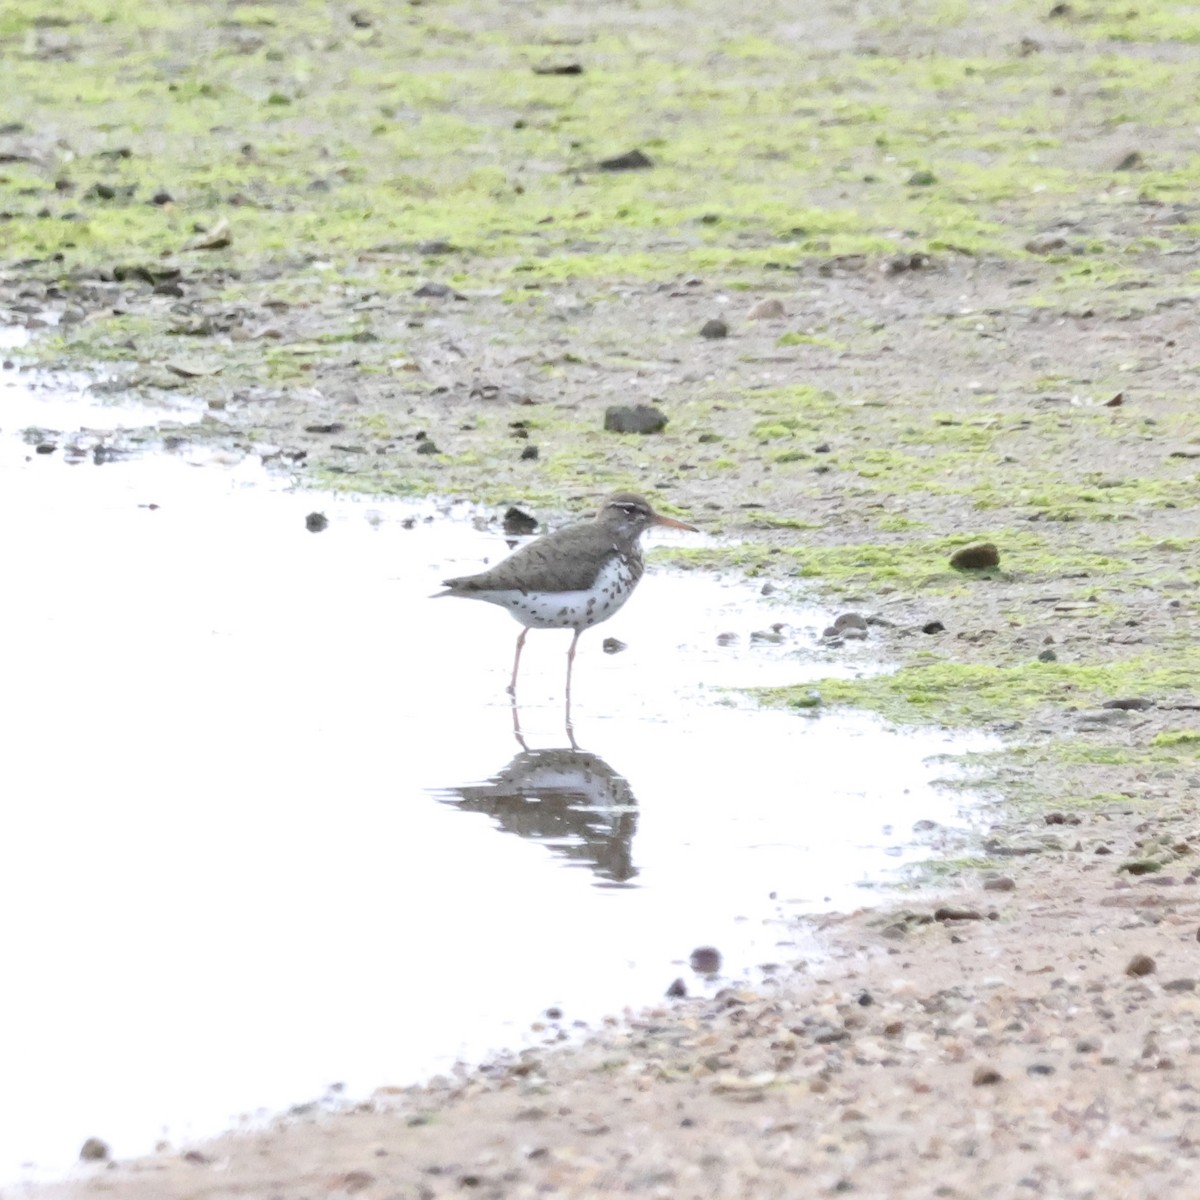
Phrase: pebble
(1141, 964)
(1002, 883)
(94, 1150)
(315, 522)
(975, 557)
(1045, 243)
(631, 160)
(985, 1076)
(677, 990)
(850, 620)
(714, 328)
(706, 960)
(933, 627)
(767, 310)
(1047, 656)
(517, 521)
(612, 645)
(634, 418)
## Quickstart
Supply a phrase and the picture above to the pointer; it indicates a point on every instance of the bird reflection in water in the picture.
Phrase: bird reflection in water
(568, 798)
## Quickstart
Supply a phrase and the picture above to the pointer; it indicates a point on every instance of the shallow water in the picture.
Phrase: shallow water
(268, 828)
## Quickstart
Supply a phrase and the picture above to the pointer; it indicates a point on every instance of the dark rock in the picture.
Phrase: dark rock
(823, 448)
(1141, 964)
(1002, 883)
(570, 68)
(986, 1076)
(949, 912)
(1133, 161)
(1180, 985)
(1047, 656)
(865, 999)
(160, 198)
(727, 639)
(529, 453)
(1061, 818)
(631, 160)
(45, 448)
(518, 522)
(94, 1150)
(828, 1035)
(1046, 243)
(427, 446)
(677, 990)
(612, 645)
(922, 179)
(714, 328)
(1039, 1069)
(315, 522)
(435, 247)
(849, 620)
(975, 557)
(638, 418)
(438, 291)
(933, 627)
(706, 960)
(1129, 703)
(1141, 866)
(325, 427)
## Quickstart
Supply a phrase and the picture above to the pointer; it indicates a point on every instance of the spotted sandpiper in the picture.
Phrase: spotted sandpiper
(573, 578)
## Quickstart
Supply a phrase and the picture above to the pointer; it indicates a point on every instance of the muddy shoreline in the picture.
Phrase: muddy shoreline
(981, 231)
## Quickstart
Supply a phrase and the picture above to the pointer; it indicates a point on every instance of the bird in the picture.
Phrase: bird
(573, 578)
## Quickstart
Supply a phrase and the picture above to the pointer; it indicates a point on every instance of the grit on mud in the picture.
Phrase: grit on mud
(946, 257)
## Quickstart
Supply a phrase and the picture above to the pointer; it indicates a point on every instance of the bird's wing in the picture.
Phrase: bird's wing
(565, 561)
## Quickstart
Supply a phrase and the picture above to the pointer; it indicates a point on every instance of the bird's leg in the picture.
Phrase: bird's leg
(516, 716)
(512, 687)
(570, 665)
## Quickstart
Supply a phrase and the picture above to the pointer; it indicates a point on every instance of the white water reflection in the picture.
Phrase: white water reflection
(235, 865)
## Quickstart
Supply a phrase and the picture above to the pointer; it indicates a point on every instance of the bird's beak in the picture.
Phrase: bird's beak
(671, 523)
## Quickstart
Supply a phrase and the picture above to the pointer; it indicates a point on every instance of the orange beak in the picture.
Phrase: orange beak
(671, 523)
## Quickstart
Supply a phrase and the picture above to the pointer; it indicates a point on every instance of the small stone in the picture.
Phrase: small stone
(1133, 161)
(427, 446)
(1039, 1069)
(922, 179)
(1180, 985)
(828, 1035)
(638, 418)
(986, 1076)
(529, 453)
(677, 990)
(706, 960)
(436, 247)
(1129, 703)
(714, 328)
(1061, 818)
(1141, 866)
(1141, 964)
(949, 912)
(631, 160)
(315, 522)
(517, 522)
(1001, 883)
(767, 310)
(94, 1150)
(612, 645)
(865, 999)
(325, 427)
(567, 68)
(437, 291)
(1047, 656)
(727, 639)
(975, 557)
(1045, 243)
(767, 589)
(849, 620)
(933, 627)
(45, 448)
